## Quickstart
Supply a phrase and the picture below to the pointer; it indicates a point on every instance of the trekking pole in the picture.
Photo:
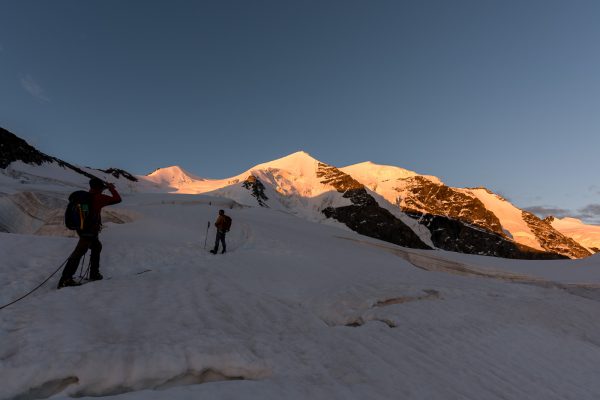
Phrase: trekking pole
(206, 236)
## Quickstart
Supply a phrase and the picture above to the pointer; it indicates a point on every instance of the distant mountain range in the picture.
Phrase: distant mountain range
(384, 202)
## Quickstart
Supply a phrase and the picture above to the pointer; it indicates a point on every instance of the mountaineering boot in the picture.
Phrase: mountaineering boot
(95, 276)
(67, 282)
(213, 251)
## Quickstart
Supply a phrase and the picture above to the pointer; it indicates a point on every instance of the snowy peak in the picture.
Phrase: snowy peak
(174, 176)
(299, 163)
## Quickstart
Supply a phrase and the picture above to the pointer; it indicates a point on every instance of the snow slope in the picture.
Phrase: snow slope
(383, 179)
(510, 216)
(586, 235)
(294, 310)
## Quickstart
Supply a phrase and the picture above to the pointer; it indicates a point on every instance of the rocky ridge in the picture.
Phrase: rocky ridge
(552, 240)
(257, 190)
(13, 148)
(365, 216)
(419, 195)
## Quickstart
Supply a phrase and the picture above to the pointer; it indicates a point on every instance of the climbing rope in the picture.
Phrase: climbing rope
(84, 275)
(36, 288)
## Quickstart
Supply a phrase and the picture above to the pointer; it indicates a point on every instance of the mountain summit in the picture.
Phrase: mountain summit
(299, 163)
(172, 176)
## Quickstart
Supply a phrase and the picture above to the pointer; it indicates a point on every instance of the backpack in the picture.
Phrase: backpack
(226, 223)
(77, 214)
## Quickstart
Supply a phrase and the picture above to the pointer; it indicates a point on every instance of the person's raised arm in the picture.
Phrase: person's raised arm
(115, 198)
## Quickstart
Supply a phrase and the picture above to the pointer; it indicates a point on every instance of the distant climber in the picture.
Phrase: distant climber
(84, 215)
(223, 224)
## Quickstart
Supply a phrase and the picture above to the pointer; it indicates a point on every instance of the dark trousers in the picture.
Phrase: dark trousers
(220, 237)
(82, 247)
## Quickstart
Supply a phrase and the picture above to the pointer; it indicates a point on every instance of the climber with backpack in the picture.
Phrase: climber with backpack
(223, 224)
(83, 215)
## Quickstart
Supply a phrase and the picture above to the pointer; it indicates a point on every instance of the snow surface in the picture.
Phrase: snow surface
(294, 310)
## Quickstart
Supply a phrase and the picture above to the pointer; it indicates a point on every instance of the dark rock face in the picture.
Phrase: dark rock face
(422, 195)
(440, 203)
(341, 181)
(13, 148)
(454, 235)
(257, 188)
(365, 216)
(552, 240)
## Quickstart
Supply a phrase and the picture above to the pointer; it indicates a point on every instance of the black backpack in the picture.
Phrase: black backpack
(77, 214)
(226, 223)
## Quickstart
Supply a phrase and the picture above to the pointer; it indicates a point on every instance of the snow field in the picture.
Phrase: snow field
(293, 311)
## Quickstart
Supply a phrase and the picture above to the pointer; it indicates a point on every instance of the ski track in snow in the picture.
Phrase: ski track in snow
(290, 311)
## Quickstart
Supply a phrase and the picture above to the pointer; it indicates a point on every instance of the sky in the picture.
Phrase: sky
(502, 94)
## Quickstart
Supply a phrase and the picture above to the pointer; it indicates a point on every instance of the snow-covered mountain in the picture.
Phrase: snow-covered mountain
(385, 202)
(424, 195)
(300, 184)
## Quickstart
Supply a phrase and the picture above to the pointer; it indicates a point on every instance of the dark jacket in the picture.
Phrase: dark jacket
(99, 201)
(220, 223)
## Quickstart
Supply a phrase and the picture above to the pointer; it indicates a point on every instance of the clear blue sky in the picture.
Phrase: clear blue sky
(503, 94)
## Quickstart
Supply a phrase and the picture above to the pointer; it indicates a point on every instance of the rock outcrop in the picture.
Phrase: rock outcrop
(257, 190)
(455, 235)
(13, 148)
(423, 196)
(552, 240)
(365, 216)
